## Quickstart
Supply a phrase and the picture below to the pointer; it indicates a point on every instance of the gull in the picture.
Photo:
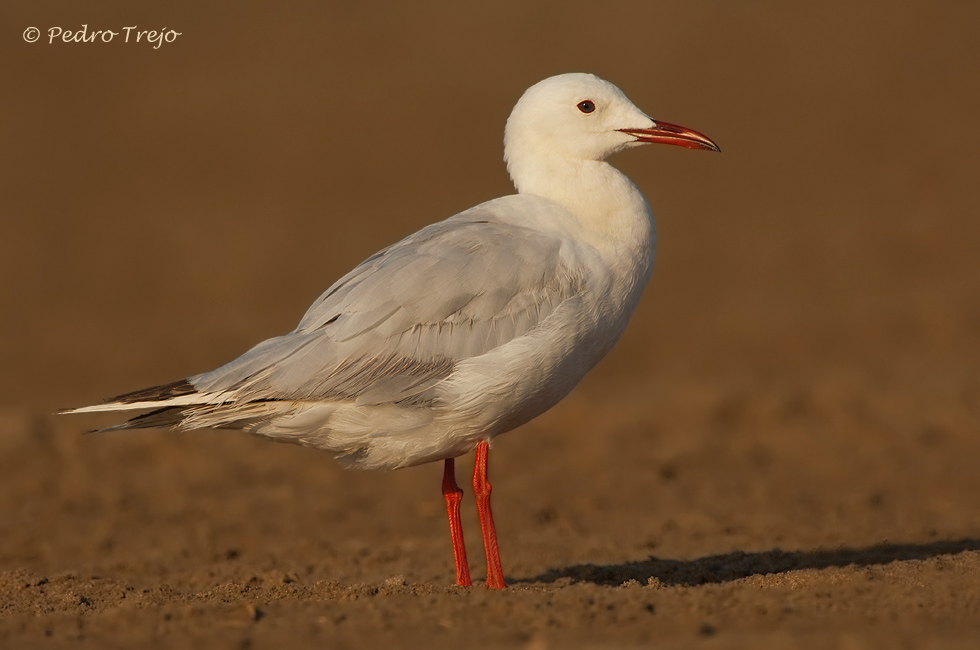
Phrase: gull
(466, 329)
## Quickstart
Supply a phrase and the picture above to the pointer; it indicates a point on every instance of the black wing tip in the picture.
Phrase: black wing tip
(156, 393)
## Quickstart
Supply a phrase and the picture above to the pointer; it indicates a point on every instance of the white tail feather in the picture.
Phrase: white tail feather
(194, 399)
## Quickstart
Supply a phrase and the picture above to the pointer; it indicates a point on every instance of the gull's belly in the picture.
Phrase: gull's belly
(508, 386)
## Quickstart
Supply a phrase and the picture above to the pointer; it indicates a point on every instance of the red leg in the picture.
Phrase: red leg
(482, 488)
(453, 496)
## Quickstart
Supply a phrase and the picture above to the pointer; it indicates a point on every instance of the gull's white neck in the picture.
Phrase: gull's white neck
(611, 212)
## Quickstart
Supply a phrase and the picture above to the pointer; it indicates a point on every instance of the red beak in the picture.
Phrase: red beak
(664, 133)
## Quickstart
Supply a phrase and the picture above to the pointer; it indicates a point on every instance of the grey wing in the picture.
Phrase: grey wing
(397, 325)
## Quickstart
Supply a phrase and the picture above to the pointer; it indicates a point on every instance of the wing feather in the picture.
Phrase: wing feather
(395, 326)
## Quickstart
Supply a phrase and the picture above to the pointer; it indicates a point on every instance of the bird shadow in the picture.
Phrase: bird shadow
(737, 565)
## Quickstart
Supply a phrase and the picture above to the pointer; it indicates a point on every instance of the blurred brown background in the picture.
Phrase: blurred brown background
(813, 314)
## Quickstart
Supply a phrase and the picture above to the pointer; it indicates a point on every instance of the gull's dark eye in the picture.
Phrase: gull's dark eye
(586, 106)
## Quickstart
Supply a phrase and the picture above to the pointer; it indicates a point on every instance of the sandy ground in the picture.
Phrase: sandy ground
(781, 452)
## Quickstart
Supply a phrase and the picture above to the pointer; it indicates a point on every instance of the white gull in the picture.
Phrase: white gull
(466, 329)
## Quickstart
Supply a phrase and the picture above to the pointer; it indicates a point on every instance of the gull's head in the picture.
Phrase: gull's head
(581, 117)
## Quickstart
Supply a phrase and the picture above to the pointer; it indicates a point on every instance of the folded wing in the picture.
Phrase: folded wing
(394, 327)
